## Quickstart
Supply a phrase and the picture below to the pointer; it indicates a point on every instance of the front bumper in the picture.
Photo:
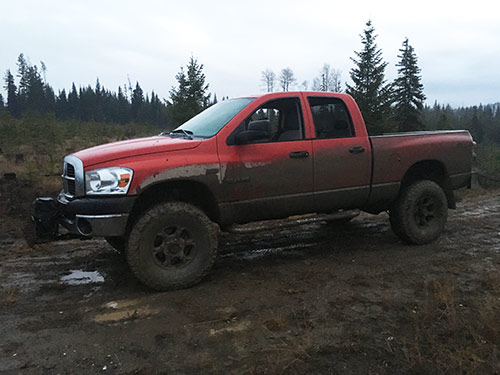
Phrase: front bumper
(95, 217)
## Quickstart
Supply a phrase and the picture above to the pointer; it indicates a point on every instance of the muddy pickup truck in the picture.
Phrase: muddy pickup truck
(162, 200)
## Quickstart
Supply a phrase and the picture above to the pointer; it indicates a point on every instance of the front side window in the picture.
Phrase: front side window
(331, 118)
(281, 119)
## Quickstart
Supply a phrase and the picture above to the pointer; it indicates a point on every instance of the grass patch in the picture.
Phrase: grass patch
(33, 147)
(453, 335)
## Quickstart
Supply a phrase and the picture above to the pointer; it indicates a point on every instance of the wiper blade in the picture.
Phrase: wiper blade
(186, 133)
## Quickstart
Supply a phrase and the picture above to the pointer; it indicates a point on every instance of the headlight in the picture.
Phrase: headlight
(112, 180)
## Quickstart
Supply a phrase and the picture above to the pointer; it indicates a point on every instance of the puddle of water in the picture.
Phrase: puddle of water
(79, 277)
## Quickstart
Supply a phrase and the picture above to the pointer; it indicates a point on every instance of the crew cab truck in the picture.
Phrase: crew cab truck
(162, 199)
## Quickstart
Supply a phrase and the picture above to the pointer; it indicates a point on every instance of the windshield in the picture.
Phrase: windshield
(210, 121)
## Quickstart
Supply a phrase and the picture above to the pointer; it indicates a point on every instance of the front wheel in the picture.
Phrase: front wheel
(172, 246)
(419, 214)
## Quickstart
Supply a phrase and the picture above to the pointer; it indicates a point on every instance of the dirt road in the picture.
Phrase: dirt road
(311, 299)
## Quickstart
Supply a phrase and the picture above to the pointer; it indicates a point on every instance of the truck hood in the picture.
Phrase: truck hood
(134, 147)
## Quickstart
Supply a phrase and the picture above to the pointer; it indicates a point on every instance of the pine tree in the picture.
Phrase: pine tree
(369, 88)
(33, 95)
(190, 97)
(408, 91)
(12, 102)
(73, 103)
(137, 101)
(61, 107)
(475, 125)
(122, 108)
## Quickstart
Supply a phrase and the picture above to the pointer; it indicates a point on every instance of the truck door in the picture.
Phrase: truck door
(342, 160)
(268, 177)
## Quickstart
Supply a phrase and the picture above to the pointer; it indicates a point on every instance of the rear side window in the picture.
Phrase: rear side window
(331, 118)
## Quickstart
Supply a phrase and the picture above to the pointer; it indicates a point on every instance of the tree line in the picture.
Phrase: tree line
(29, 93)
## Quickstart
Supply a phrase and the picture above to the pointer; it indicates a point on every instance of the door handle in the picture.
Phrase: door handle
(357, 150)
(298, 154)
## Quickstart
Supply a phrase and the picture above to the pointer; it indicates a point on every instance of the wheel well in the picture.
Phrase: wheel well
(430, 170)
(191, 192)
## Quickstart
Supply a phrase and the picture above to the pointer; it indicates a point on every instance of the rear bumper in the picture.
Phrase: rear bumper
(95, 217)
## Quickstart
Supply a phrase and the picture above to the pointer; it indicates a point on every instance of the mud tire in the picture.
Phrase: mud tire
(172, 246)
(117, 243)
(419, 214)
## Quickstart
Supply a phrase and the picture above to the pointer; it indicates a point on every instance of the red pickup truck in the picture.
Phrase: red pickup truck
(163, 199)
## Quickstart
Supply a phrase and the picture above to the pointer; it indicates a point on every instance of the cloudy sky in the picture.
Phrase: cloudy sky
(457, 42)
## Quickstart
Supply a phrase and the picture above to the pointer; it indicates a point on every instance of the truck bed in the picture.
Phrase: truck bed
(394, 154)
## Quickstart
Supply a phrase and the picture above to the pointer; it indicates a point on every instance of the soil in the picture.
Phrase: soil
(319, 298)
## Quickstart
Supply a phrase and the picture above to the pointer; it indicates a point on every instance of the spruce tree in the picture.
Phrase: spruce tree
(61, 108)
(73, 103)
(12, 102)
(33, 94)
(190, 97)
(408, 91)
(475, 125)
(369, 88)
(122, 107)
(137, 101)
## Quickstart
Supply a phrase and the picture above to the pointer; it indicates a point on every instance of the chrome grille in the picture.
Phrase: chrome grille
(69, 177)
(70, 170)
(72, 177)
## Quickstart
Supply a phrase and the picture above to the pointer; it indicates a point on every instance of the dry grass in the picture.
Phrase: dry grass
(450, 337)
(302, 316)
(285, 355)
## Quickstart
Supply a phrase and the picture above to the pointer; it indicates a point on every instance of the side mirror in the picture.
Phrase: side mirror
(257, 130)
(249, 136)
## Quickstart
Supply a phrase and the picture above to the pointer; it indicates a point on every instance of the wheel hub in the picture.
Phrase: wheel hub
(425, 211)
(173, 247)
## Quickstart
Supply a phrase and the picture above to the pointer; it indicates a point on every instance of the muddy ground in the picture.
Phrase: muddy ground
(312, 299)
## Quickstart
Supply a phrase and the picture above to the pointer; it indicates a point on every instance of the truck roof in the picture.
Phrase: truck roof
(293, 93)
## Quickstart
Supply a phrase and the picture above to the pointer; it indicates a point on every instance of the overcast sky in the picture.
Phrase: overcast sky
(457, 42)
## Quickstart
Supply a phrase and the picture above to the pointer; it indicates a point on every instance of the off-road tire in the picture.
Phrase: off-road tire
(419, 214)
(117, 243)
(172, 246)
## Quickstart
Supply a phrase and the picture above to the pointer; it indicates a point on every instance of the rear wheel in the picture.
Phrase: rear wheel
(173, 245)
(419, 214)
